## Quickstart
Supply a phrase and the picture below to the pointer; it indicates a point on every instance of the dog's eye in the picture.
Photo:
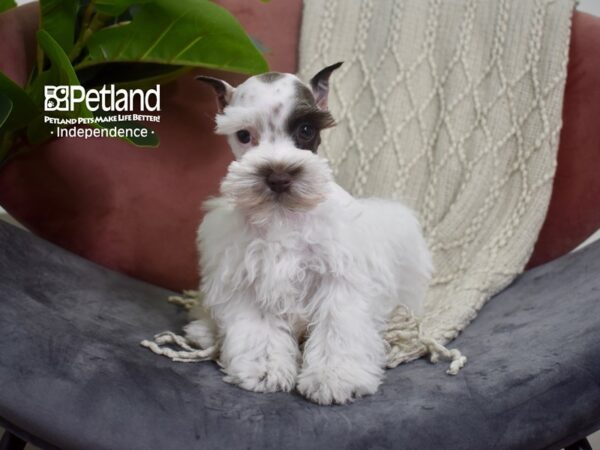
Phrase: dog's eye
(243, 136)
(306, 131)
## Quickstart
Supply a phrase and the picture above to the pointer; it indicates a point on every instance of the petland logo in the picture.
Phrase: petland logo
(66, 98)
(109, 112)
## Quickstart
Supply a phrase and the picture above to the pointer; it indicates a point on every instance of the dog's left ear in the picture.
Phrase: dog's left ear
(320, 85)
(222, 88)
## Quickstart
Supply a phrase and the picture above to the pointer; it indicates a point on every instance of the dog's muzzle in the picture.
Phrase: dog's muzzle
(270, 178)
(278, 182)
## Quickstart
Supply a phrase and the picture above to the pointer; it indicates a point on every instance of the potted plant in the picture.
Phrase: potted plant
(125, 43)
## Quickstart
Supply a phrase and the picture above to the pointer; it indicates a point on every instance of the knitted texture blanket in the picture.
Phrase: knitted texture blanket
(453, 107)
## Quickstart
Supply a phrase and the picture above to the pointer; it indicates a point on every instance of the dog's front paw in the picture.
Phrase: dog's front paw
(263, 376)
(337, 384)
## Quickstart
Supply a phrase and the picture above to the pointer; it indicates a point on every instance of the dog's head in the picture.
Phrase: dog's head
(273, 123)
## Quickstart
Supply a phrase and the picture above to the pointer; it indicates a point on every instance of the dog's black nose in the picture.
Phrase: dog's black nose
(279, 182)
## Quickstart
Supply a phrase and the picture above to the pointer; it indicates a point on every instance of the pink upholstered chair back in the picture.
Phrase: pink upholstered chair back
(136, 210)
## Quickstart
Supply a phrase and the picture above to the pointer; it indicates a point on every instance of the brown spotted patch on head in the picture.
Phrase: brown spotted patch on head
(304, 94)
(270, 77)
(307, 120)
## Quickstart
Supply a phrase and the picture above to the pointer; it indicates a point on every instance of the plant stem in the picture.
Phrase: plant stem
(92, 22)
(85, 23)
(40, 59)
(87, 16)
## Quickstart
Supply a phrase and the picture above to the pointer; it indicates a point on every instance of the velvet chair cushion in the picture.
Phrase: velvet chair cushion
(74, 376)
(136, 210)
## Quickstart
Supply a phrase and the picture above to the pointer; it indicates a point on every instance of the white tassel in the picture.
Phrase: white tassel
(187, 301)
(404, 331)
(435, 349)
(396, 354)
(188, 354)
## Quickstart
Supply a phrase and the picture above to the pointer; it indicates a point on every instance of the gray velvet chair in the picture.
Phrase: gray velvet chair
(73, 375)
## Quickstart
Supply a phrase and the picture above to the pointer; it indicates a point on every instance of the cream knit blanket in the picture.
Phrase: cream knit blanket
(453, 107)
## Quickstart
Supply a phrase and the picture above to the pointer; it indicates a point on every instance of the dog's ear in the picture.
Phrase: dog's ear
(320, 85)
(222, 88)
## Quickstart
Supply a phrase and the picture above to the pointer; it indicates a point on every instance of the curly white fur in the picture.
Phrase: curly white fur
(300, 284)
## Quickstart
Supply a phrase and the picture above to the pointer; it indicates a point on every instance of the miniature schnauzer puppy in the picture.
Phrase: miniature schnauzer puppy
(298, 277)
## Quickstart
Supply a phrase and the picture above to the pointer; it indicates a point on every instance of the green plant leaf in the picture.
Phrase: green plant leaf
(151, 81)
(130, 75)
(61, 72)
(23, 108)
(183, 32)
(58, 18)
(6, 106)
(7, 4)
(116, 7)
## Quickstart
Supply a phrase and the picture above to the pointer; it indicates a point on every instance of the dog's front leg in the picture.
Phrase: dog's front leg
(345, 353)
(258, 351)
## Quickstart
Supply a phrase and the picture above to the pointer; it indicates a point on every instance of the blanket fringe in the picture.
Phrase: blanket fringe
(435, 350)
(187, 301)
(406, 328)
(161, 341)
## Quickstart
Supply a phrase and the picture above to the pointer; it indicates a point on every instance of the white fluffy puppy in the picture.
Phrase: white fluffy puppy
(289, 258)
